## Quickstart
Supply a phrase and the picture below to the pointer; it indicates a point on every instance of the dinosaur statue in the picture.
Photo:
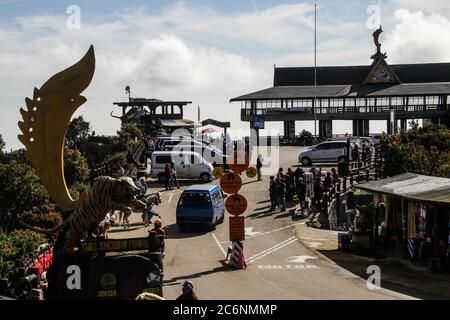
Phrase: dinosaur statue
(134, 114)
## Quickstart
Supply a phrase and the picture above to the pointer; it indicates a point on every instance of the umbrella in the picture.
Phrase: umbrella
(209, 130)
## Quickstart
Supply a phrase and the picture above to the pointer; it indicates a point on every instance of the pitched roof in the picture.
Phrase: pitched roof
(342, 91)
(414, 187)
(346, 75)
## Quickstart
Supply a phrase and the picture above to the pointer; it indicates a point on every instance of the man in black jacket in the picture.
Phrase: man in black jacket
(188, 291)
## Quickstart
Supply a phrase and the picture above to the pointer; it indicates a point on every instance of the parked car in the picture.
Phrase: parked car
(328, 151)
(376, 139)
(160, 141)
(189, 165)
(211, 154)
(200, 205)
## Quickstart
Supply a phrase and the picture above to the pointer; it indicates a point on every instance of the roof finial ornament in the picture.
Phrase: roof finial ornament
(376, 36)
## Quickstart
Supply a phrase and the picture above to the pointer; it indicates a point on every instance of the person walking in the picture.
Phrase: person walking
(259, 164)
(168, 177)
(187, 291)
(174, 174)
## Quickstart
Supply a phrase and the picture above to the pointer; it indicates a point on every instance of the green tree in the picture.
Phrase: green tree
(78, 131)
(15, 249)
(2, 144)
(22, 189)
(128, 137)
(76, 171)
(419, 150)
(306, 137)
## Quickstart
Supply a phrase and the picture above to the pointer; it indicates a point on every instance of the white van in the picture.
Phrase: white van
(189, 165)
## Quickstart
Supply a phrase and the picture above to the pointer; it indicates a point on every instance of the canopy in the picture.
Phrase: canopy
(414, 187)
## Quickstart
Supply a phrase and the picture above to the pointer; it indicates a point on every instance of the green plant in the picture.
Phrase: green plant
(419, 150)
(16, 248)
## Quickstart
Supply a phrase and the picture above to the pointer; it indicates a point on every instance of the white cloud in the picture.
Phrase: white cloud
(418, 37)
(193, 53)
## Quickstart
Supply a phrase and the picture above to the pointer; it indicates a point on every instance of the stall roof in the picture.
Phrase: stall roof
(414, 187)
(178, 123)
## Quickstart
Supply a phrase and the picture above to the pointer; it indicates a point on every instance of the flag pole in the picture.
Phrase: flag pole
(315, 72)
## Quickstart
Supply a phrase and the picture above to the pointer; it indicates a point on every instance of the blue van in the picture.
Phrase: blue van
(201, 205)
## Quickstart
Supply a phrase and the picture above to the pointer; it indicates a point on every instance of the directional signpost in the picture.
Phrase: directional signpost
(236, 205)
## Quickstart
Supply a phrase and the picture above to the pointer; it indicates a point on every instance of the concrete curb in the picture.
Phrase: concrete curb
(321, 255)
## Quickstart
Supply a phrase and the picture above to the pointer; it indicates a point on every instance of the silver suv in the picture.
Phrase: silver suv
(328, 151)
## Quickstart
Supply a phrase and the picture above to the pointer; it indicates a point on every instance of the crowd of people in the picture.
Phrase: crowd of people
(286, 186)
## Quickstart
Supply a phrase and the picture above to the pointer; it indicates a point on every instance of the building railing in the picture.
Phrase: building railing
(345, 109)
(359, 172)
(108, 168)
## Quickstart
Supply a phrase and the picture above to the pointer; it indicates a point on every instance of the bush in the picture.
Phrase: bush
(419, 150)
(41, 220)
(16, 248)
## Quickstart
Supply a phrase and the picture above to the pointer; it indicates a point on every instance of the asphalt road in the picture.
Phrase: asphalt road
(279, 267)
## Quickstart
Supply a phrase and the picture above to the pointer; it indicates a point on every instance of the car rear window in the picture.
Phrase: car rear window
(195, 200)
(163, 159)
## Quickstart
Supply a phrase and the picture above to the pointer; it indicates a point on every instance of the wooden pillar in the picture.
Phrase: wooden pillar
(405, 228)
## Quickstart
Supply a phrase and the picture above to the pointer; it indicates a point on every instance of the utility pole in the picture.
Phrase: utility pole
(315, 72)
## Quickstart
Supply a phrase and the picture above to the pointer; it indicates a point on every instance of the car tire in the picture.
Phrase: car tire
(161, 178)
(205, 177)
(221, 219)
(306, 161)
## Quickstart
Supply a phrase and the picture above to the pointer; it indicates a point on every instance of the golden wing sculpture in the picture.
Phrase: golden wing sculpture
(45, 123)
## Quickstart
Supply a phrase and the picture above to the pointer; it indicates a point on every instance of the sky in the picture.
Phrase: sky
(202, 51)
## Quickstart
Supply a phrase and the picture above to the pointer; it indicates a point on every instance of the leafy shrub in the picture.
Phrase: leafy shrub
(419, 150)
(16, 249)
(42, 220)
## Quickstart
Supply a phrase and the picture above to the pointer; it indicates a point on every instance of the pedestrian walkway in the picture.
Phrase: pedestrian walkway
(396, 274)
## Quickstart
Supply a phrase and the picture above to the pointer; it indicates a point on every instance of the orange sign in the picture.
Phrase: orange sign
(251, 172)
(236, 204)
(230, 182)
(240, 161)
(237, 229)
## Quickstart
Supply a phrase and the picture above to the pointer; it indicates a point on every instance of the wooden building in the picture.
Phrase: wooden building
(358, 93)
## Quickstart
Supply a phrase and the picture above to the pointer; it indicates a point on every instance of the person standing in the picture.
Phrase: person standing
(318, 194)
(335, 175)
(332, 214)
(168, 177)
(281, 193)
(301, 191)
(188, 291)
(174, 174)
(259, 163)
(328, 181)
(273, 193)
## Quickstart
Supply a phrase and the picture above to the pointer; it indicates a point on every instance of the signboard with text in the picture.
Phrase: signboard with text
(237, 228)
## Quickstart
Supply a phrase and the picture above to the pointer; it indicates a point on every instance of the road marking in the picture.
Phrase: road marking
(218, 244)
(300, 259)
(171, 195)
(290, 267)
(275, 230)
(276, 247)
(250, 233)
